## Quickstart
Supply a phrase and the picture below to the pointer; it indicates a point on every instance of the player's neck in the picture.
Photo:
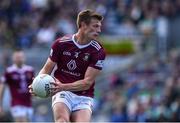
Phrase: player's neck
(81, 39)
(19, 65)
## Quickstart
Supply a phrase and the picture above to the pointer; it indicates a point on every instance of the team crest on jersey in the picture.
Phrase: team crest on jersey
(86, 57)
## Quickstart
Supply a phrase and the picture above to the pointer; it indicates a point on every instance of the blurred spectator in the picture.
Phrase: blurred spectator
(22, 18)
(115, 81)
(151, 92)
(162, 34)
(46, 34)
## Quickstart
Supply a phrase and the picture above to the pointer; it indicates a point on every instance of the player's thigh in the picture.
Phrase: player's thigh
(61, 111)
(82, 115)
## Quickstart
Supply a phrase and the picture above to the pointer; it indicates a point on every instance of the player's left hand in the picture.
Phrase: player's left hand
(57, 86)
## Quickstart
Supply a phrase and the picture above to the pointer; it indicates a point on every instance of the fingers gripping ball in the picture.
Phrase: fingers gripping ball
(41, 85)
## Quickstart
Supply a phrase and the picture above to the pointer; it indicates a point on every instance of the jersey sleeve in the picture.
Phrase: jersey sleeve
(97, 60)
(3, 78)
(55, 51)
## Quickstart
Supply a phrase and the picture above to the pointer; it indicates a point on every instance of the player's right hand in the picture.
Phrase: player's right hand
(56, 87)
(31, 90)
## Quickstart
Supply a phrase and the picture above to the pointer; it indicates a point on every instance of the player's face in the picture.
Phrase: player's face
(18, 58)
(93, 29)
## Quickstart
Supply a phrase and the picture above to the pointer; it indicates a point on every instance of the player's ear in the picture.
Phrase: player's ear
(83, 24)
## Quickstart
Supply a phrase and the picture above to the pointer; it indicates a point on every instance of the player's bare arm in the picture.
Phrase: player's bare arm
(47, 69)
(79, 85)
(1, 97)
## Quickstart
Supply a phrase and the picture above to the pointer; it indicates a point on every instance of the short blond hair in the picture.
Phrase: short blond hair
(86, 16)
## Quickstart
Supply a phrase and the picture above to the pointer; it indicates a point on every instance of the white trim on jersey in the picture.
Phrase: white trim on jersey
(78, 45)
(15, 68)
(95, 45)
(64, 39)
(54, 69)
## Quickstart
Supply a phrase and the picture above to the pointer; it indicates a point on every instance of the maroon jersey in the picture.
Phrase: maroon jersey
(73, 59)
(18, 80)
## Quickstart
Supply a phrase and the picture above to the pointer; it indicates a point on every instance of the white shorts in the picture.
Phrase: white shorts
(73, 102)
(22, 111)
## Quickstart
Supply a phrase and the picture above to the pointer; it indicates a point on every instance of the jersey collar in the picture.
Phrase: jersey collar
(78, 45)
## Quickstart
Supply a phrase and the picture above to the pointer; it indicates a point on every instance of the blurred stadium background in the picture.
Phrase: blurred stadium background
(141, 77)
